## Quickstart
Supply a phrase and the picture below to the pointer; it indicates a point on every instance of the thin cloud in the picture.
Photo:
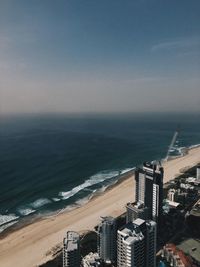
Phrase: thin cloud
(190, 54)
(177, 44)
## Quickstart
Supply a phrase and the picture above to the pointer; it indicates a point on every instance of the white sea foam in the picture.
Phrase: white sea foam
(82, 201)
(193, 146)
(103, 188)
(88, 190)
(7, 218)
(127, 170)
(56, 199)
(25, 211)
(95, 179)
(68, 208)
(40, 202)
(5, 226)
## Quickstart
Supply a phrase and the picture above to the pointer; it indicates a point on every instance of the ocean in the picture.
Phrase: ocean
(55, 162)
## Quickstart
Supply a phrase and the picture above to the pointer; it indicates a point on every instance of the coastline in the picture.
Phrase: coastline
(36, 218)
(31, 245)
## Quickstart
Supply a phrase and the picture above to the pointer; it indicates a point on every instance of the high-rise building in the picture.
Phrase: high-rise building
(107, 239)
(198, 172)
(149, 189)
(131, 247)
(151, 236)
(136, 245)
(136, 210)
(71, 250)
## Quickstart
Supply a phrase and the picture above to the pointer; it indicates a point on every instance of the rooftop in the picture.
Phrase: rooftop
(139, 222)
(71, 241)
(172, 204)
(129, 229)
(179, 255)
(191, 246)
(108, 219)
(92, 259)
(132, 232)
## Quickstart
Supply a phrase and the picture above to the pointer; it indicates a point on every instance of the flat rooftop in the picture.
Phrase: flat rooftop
(138, 222)
(71, 241)
(130, 229)
(191, 246)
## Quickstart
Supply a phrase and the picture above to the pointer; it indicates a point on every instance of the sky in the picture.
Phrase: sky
(99, 56)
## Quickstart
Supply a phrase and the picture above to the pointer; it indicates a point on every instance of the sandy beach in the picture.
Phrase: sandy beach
(32, 244)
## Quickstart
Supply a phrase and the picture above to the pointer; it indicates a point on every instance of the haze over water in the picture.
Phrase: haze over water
(99, 56)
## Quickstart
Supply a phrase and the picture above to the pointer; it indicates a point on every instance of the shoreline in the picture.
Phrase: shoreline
(32, 244)
(26, 221)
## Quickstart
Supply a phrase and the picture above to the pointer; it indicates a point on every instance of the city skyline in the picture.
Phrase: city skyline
(99, 56)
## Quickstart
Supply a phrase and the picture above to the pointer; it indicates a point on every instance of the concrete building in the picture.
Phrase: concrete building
(187, 187)
(107, 239)
(151, 237)
(149, 189)
(91, 260)
(136, 210)
(172, 204)
(71, 250)
(193, 181)
(131, 247)
(136, 245)
(176, 257)
(198, 172)
(172, 195)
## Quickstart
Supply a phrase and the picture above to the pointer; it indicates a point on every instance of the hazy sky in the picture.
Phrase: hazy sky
(99, 55)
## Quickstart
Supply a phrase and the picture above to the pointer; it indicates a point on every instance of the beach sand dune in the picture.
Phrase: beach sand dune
(30, 245)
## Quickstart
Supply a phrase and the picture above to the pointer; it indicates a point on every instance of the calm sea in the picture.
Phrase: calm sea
(52, 162)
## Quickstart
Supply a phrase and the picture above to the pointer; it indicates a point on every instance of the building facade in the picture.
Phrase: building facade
(151, 236)
(172, 195)
(149, 189)
(136, 245)
(71, 250)
(198, 173)
(130, 247)
(136, 210)
(107, 239)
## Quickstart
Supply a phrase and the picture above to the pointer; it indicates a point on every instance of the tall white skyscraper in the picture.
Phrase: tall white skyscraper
(136, 246)
(149, 189)
(107, 239)
(71, 250)
(130, 247)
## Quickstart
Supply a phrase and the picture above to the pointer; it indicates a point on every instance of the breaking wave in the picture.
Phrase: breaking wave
(7, 225)
(93, 180)
(7, 218)
(23, 211)
(40, 202)
(93, 186)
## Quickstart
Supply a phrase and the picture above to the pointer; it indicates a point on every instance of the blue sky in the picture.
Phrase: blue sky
(98, 56)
